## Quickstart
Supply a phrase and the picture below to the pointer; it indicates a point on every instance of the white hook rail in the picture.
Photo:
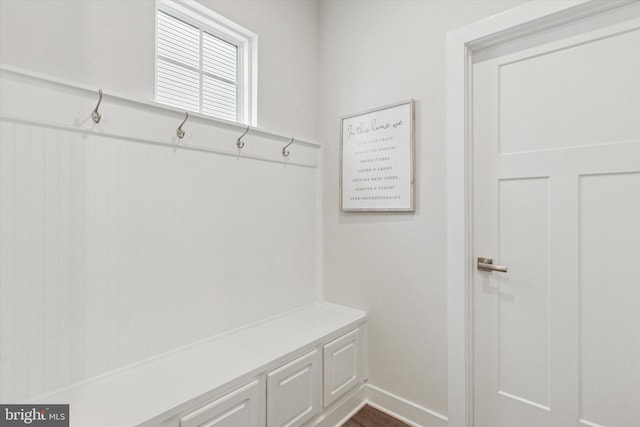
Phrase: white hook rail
(65, 103)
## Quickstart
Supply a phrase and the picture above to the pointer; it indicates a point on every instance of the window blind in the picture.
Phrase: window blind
(196, 70)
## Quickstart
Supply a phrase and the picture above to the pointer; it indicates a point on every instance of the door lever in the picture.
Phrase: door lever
(486, 264)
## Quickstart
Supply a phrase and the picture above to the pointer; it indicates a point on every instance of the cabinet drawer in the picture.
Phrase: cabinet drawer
(293, 392)
(243, 407)
(342, 365)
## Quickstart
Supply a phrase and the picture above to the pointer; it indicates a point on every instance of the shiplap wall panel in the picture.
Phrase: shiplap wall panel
(114, 249)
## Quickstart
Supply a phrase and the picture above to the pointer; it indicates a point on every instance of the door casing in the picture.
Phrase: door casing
(530, 18)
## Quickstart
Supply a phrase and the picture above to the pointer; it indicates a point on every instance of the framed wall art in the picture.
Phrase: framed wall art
(377, 159)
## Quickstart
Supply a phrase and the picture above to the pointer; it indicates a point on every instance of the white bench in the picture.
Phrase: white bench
(294, 367)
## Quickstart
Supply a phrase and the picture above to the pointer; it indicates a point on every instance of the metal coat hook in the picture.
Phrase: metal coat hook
(95, 115)
(179, 131)
(239, 142)
(285, 152)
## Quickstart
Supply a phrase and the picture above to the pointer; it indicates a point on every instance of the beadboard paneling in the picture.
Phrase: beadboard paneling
(117, 246)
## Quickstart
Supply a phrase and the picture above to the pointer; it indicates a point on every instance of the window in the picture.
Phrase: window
(204, 62)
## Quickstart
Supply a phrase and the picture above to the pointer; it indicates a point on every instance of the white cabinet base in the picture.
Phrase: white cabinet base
(293, 392)
(342, 365)
(223, 382)
(243, 407)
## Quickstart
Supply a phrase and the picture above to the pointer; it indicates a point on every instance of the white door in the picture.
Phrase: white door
(556, 141)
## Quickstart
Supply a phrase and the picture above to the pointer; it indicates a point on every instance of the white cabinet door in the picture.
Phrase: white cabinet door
(342, 367)
(243, 407)
(293, 392)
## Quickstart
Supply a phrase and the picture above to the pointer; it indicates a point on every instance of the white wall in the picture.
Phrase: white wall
(392, 265)
(115, 250)
(318, 61)
(110, 44)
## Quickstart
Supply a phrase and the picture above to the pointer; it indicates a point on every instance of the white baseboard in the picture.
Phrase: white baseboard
(368, 394)
(402, 409)
(342, 410)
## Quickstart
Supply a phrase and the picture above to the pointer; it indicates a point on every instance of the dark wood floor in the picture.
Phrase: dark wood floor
(371, 417)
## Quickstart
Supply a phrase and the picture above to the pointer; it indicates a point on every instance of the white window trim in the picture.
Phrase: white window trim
(193, 12)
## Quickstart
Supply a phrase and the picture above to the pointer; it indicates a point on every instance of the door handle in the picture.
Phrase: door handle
(486, 264)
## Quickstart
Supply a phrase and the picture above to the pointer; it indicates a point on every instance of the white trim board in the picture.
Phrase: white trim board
(528, 19)
(395, 406)
(403, 409)
(139, 111)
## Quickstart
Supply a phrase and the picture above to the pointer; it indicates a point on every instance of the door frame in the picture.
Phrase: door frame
(532, 17)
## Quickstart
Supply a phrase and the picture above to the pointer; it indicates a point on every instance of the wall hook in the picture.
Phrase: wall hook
(239, 142)
(285, 152)
(95, 115)
(179, 131)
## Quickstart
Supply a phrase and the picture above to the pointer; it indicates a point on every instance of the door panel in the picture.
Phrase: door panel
(243, 407)
(587, 73)
(556, 198)
(293, 392)
(609, 299)
(523, 318)
(341, 366)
